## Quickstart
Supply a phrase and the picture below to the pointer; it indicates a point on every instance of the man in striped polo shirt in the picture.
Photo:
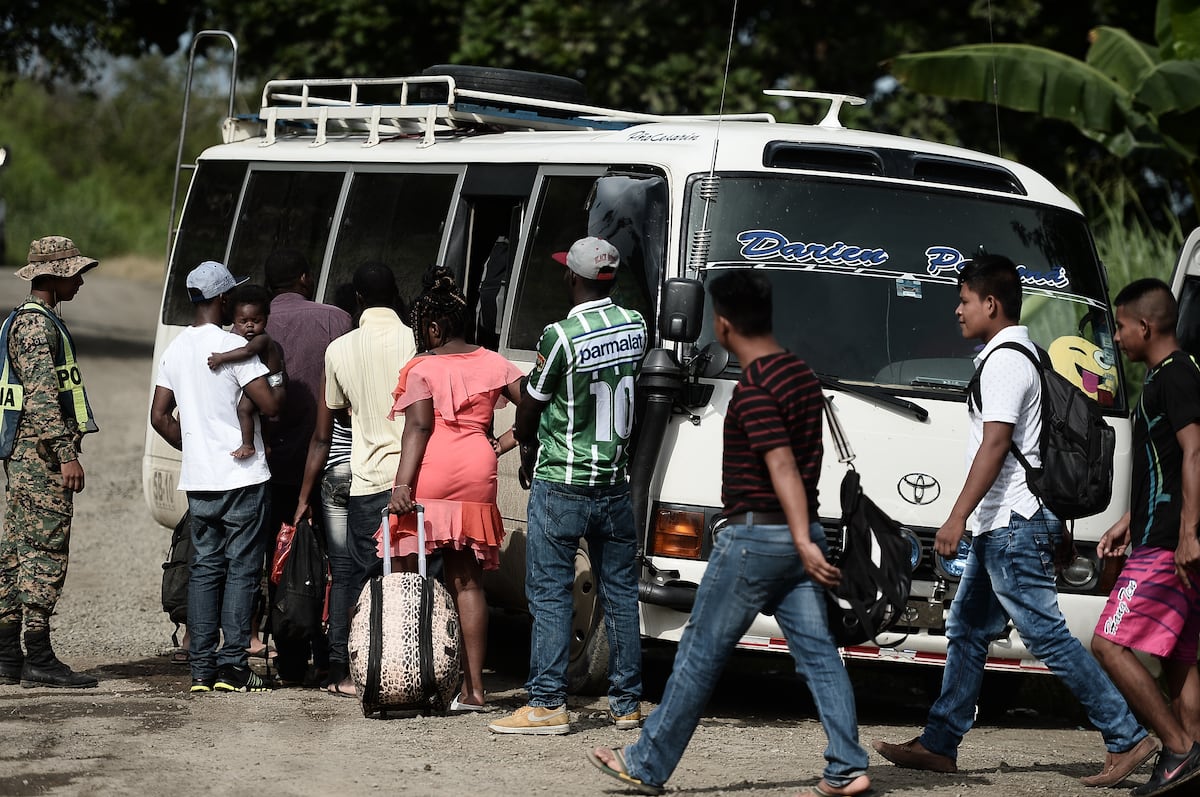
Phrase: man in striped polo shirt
(768, 557)
(578, 406)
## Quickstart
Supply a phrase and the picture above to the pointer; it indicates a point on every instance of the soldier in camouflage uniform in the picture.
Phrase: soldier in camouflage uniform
(45, 415)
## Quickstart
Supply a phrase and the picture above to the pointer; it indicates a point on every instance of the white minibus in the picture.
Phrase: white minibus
(490, 172)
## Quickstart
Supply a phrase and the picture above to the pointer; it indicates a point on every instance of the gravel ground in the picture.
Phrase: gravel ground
(140, 733)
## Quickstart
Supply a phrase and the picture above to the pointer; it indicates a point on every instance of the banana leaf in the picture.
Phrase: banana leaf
(1028, 78)
(1177, 28)
(1122, 58)
(1173, 87)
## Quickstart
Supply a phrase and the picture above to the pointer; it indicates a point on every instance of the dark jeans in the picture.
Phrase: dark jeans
(363, 513)
(560, 515)
(229, 533)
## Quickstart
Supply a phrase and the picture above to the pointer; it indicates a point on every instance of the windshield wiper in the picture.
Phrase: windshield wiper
(876, 393)
(933, 381)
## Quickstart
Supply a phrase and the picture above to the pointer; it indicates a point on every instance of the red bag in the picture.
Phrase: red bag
(283, 547)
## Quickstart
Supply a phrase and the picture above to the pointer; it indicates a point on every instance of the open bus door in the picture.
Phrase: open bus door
(1186, 286)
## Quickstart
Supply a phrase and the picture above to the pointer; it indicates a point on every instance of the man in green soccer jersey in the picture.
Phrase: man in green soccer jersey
(578, 407)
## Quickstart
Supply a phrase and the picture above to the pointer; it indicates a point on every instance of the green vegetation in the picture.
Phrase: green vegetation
(97, 166)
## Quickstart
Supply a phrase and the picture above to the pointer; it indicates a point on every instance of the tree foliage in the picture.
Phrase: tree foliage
(63, 40)
(1132, 97)
(643, 55)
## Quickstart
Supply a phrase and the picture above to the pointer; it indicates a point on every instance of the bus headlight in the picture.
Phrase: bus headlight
(1081, 574)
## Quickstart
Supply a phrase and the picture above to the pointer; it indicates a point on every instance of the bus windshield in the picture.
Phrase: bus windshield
(865, 277)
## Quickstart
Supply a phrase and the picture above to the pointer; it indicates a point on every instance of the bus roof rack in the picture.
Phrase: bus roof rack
(319, 102)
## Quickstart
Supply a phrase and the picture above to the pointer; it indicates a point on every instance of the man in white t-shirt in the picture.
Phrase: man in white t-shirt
(1009, 573)
(227, 497)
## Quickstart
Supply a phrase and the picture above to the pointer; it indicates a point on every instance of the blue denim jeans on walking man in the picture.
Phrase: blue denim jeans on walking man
(229, 532)
(752, 569)
(559, 516)
(1010, 574)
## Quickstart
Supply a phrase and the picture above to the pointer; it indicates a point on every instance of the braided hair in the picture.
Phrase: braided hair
(440, 301)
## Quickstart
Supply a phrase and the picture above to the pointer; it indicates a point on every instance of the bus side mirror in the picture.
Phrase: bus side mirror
(682, 308)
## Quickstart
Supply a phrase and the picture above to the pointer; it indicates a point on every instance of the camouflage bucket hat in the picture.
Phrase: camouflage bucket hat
(54, 256)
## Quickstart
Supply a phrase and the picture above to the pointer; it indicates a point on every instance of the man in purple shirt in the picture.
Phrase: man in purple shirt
(303, 329)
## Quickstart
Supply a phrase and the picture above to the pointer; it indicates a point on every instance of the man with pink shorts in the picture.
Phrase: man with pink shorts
(1155, 604)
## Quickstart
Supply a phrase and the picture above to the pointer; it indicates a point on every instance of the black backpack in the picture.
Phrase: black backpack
(873, 556)
(1075, 479)
(299, 605)
(176, 572)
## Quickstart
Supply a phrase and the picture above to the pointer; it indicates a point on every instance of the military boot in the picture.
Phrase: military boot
(42, 667)
(11, 657)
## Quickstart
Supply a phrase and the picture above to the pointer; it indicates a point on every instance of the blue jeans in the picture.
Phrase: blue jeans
(752, 569)
(363, 515)
(559, 516)
(229, 532)
(1010, 574)
(335, 494)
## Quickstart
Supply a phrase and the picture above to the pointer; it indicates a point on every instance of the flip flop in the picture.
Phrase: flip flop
(180, 657)
(262, 653)
(337, 691)
(459, 707)
(621, 774)
(822, 789)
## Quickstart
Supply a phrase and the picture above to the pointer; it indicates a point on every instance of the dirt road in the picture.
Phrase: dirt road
(139, 733)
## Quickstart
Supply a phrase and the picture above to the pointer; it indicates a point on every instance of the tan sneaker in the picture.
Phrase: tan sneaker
(628, 722)
(534, 721)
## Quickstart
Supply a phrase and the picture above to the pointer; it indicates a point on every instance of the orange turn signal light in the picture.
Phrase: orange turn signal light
(677, 533)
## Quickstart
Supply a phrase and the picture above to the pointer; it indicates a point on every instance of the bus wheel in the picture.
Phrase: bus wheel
(535, 85)
(587, 666)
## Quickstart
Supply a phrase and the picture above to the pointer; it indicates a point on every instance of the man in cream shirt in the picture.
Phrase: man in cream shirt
(361, 368)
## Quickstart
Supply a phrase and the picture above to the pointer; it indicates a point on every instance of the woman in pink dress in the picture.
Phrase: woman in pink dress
(448, 393)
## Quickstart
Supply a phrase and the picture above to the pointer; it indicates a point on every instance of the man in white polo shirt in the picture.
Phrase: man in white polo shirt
(227, 497)
(1009, 574)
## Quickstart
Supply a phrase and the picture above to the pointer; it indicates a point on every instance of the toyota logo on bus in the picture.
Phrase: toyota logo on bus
(918, 488)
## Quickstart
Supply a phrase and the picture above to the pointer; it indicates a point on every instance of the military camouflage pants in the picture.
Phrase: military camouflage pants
(34, 542)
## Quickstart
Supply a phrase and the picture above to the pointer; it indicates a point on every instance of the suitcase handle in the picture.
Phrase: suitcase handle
(386, 527)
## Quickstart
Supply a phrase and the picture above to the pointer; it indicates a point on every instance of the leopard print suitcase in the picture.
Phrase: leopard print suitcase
(405, 642)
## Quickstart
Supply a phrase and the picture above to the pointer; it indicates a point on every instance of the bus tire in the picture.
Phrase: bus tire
(535, 85)
(587, 670)
(587, 657)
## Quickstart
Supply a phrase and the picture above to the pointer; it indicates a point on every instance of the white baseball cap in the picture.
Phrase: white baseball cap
(591, 258)
(209, 280)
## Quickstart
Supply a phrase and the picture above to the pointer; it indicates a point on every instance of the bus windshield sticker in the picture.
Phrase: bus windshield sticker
(946, 258)
(908, 288)
(771, 245)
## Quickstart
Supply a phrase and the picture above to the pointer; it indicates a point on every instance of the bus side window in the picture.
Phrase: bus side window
(396, 219)
(291, 209)
(542, 298)
(203, 230)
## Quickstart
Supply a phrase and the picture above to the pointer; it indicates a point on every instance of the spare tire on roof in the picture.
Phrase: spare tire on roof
(535, 85)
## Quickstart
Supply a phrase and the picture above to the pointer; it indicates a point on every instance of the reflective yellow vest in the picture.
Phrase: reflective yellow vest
(72, 399)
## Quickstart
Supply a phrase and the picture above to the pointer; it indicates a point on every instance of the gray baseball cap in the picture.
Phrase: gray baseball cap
(209, 280)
